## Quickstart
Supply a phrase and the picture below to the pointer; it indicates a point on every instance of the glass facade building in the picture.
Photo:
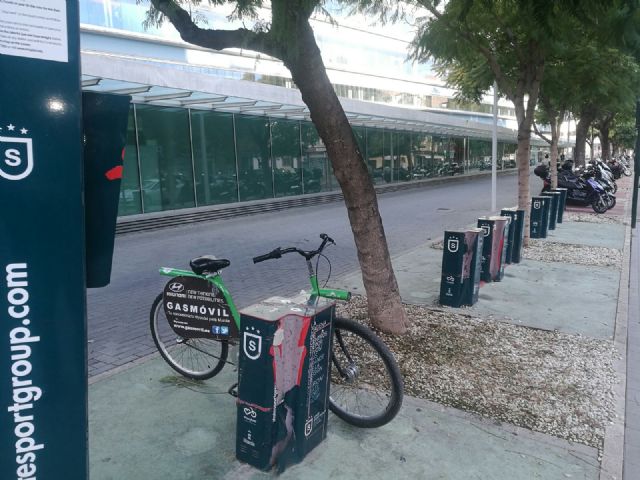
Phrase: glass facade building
(181, 155)
(180, 158)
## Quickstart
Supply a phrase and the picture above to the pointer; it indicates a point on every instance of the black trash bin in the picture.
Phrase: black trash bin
(516, 232)
(460, 281)
(539, 221)
(556, 198)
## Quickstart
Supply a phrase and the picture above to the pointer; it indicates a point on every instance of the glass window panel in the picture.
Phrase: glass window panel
(130, 203)
(479, 154)
(402, 167)
(165, 158)
(375, 154)
(439, 151)
(506, 155)
(423, 163)
(455, 156)
(214, 157)
(254, 161)
(388, 160)
(285, 150)
(315, 163)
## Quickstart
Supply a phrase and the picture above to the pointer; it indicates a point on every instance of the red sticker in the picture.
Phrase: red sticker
(115, 173)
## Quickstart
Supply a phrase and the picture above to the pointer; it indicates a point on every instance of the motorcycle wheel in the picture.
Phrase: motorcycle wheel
(615, 187)
(627, 171)
(611, 201)
(599, 205)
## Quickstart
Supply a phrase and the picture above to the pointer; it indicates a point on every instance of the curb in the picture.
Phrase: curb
(613, 449)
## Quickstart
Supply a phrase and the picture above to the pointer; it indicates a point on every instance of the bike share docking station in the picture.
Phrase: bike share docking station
(539, 221)
(495, 230)
(478, 254)
(460, 282)
(554, 207)
(283, 389)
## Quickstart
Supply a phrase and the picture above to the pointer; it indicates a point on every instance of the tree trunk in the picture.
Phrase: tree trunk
(604, 127)
(555, 137)
(522, 159)
(307, 69)
(582, 131)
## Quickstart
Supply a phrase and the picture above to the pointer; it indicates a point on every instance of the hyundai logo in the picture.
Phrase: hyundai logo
(176, 287)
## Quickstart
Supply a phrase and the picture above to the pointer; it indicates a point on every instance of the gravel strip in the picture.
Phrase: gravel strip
(545, 251)
(549, 382)
(591, 218)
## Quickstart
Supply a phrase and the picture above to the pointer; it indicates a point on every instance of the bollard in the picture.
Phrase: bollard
(461, 257)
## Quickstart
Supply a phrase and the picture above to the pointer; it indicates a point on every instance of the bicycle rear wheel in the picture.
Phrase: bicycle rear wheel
(366, 385)
(197, 358)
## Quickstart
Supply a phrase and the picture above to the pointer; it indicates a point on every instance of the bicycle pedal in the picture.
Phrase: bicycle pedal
(233, 390)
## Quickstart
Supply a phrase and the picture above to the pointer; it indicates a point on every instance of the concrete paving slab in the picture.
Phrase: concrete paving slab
(543, 291)
(564, 297)
(609, 235)
(147, 423)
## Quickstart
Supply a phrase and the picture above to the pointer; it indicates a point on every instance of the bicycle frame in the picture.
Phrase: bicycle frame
(216, 280)
(324, 292)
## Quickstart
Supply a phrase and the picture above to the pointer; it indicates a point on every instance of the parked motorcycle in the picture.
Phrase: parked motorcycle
(581, 191)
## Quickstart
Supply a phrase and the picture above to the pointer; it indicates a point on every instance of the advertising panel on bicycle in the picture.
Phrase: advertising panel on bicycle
(197, 309)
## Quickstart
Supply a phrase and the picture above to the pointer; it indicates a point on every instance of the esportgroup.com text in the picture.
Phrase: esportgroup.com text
(24, 393)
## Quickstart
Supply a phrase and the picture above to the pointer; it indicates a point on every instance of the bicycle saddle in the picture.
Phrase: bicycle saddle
(208, 263)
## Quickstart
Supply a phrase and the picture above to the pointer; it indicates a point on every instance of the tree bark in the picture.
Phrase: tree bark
(309, 74)
(522, 158)
(555, 138)
(604, 127)
(582, 131)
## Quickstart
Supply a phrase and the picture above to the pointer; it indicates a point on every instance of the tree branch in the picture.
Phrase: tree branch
(540, 134)
(212, 38)
(475, 43)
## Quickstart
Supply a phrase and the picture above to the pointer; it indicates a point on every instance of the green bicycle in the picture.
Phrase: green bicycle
(366, 383)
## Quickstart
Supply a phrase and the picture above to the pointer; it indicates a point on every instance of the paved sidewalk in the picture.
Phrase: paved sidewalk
(146, 422)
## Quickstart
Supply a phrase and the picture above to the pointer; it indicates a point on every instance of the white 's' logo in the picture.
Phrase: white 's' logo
(250, 412)
(453, 245)
(252, 345)
(486, 229)
(16, 157)
(308, 426)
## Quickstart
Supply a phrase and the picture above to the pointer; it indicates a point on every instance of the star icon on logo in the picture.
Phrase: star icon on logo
(23, 131)
(11, 127)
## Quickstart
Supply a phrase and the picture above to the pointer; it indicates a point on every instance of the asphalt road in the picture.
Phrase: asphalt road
(118, 328)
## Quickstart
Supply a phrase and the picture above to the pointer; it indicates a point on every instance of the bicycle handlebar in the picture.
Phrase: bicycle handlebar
(278, 252)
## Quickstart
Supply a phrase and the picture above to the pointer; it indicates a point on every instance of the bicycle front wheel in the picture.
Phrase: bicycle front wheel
(197, 358)
(366, 385)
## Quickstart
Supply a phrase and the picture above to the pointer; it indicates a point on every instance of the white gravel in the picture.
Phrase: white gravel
(545, 251)
(549, 382)
(591, 218)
